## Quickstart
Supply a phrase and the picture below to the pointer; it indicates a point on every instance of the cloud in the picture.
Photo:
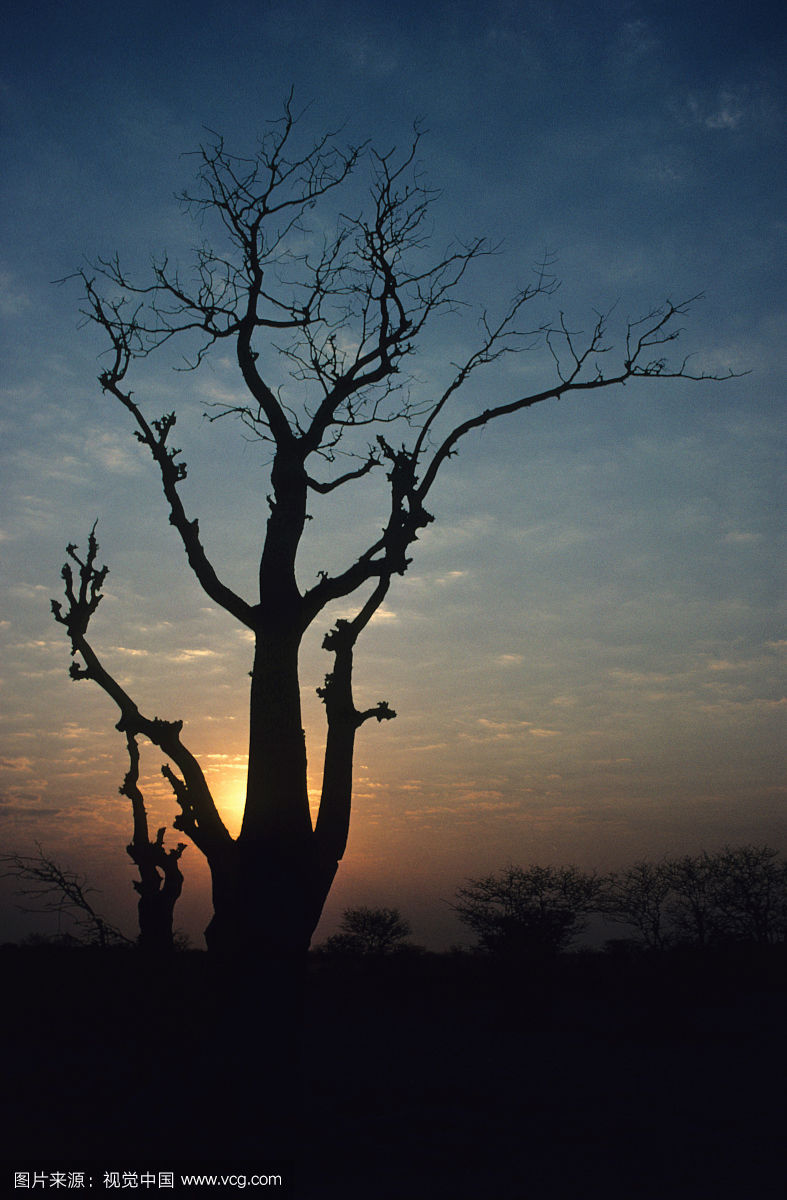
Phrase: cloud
(638, 678)
(384, 614)
(31, 811)
(117, 455)
(742, 538)
(15, 764)
(746, 706)
(496, 731)
(187, 656)
(369, 56)
(73, 732)
(503, 725)
(608, 762)
(14, 301)
(228, 762)
(723, 112)
(635, 42)
(450, 577)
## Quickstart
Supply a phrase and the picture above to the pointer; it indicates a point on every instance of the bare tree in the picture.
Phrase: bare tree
(49, 887)
(637, 896)
(528, 911)
(692, 908)
(322, 325)
(752, 893)
(737, 894)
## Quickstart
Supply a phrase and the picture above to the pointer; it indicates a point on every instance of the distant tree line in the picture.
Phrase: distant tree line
(737, 895)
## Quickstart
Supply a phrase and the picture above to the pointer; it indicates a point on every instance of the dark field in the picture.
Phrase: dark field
(413, 1077)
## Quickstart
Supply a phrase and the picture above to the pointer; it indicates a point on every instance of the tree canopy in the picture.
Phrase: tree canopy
(528, 911)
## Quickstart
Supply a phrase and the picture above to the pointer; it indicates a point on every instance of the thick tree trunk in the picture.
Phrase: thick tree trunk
(156, 918)
(270, 885)
(277, 800)
(257, 942)
(267, 898)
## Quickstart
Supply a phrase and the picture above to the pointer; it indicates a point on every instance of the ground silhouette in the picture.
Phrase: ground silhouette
(613, 1075)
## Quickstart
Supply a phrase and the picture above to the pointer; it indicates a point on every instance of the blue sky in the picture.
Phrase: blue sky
(587, 653)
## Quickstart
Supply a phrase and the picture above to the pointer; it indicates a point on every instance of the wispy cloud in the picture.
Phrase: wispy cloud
(725, 110)
(742, 537)
(14, 299)
(370, 56)
(188, 656)
(384, 616)
(15, 764)
(635, 42)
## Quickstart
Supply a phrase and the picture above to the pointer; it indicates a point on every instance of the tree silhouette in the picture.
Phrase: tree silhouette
(364, 930)
(692, 908)
(49, 887)
(528, 912)
(705, 900)
(738, 894)
(323, 305)
(637, 896)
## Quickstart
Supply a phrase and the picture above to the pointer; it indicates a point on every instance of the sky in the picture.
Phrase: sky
(586, 654)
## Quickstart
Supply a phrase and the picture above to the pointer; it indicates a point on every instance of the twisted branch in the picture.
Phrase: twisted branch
(199, 817)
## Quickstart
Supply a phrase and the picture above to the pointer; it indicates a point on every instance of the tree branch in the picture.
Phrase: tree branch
(200, 817)
(652, 330)
(155, 436)
(333, 818)
(324, 488)
(56, 889)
